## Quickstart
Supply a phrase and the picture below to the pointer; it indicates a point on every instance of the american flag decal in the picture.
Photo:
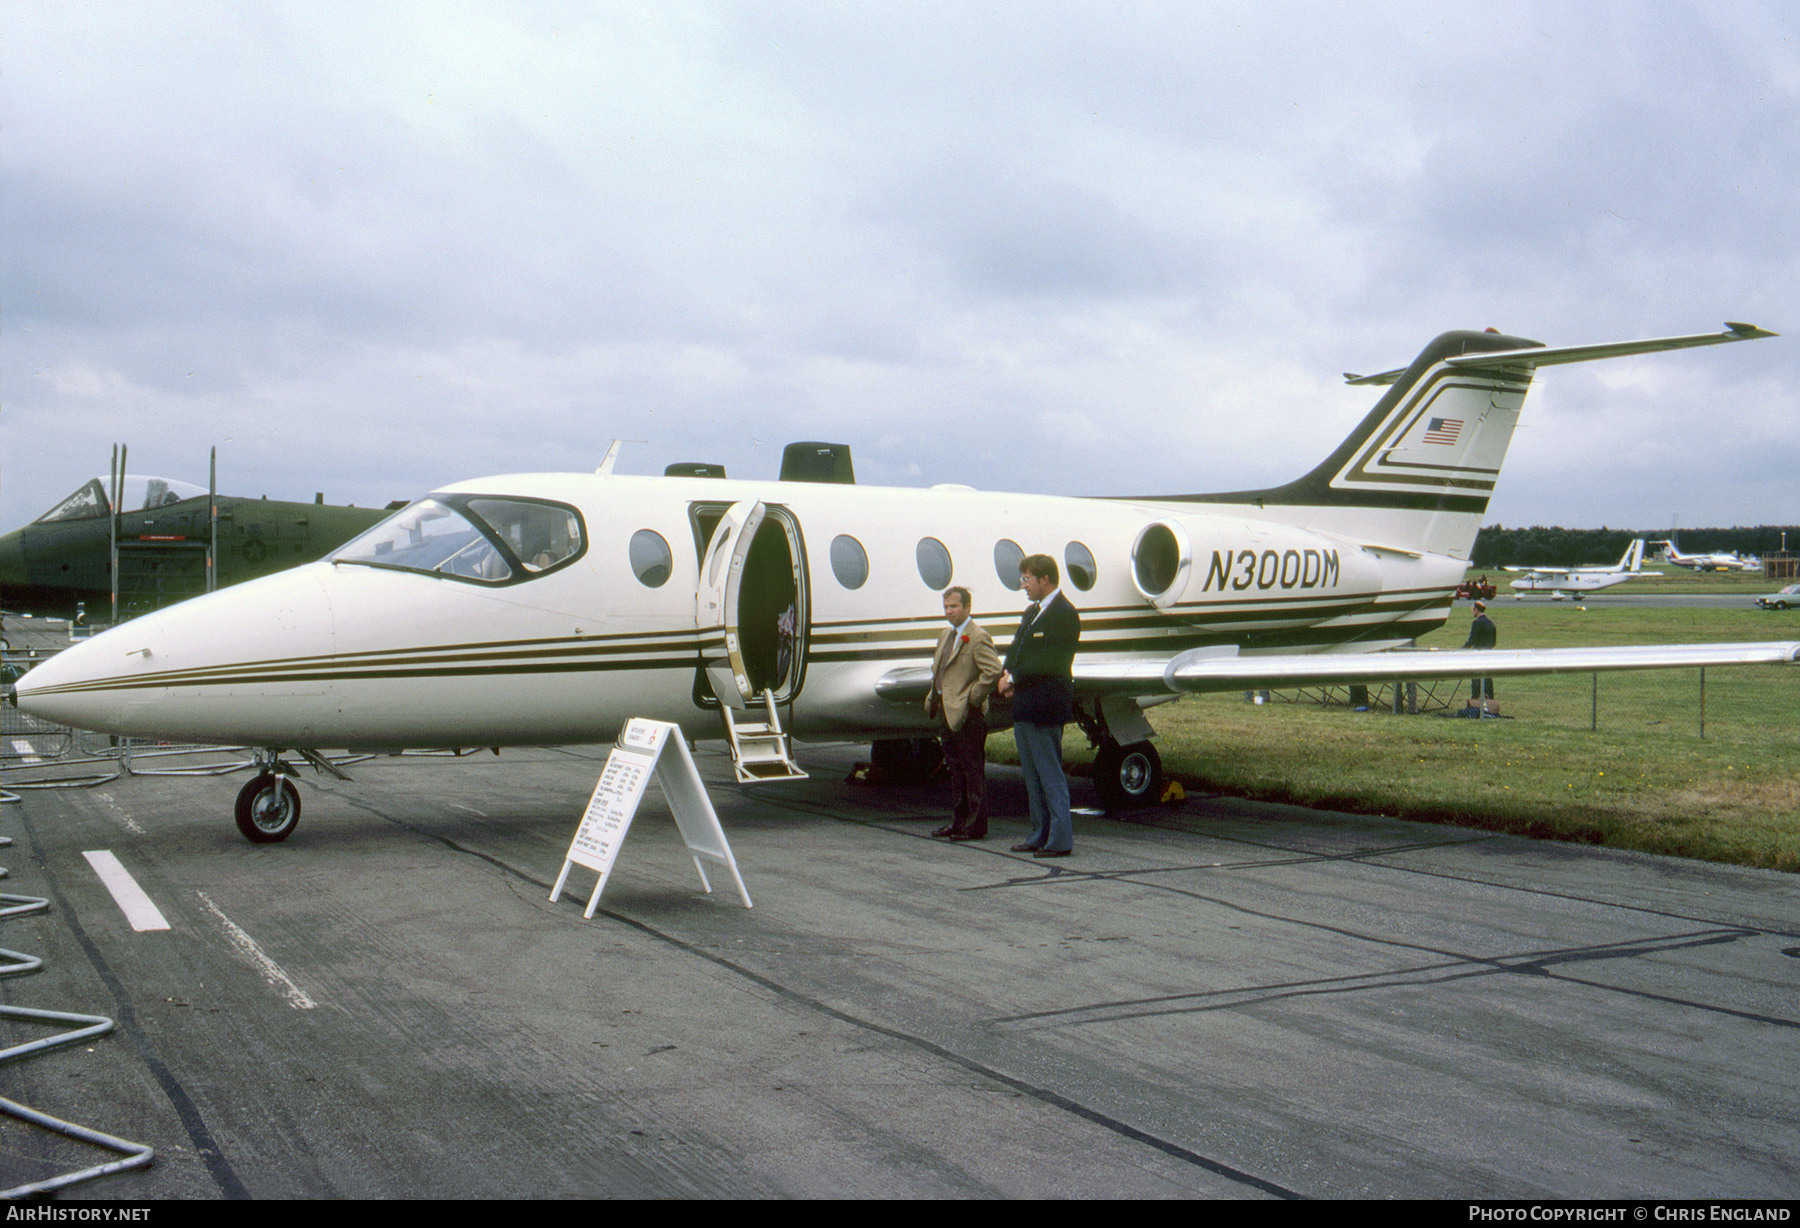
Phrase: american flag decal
(1443, 430)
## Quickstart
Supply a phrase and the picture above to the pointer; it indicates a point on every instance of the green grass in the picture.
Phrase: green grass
(1645, 779)
(1654, 789)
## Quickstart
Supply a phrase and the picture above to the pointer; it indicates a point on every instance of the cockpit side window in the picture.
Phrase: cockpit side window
(480, 538)
(539, 535)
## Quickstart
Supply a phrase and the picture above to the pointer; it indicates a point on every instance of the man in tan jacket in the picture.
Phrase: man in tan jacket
(964, 672)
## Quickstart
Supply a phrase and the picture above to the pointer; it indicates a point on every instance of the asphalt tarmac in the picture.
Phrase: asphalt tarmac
(1218, 999)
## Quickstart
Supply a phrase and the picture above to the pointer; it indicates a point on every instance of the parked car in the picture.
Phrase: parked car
(1782, 600)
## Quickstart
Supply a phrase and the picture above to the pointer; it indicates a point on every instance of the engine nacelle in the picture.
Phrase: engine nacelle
(1276, 575)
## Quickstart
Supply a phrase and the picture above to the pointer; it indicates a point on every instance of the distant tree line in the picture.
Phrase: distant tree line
(1498, 546)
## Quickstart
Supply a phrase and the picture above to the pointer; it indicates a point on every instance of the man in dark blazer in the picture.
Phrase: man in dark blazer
(964, 672)
(1038, 675)
(1482, 634)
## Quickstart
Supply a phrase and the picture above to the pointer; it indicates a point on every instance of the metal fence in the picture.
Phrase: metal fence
(1738, 704)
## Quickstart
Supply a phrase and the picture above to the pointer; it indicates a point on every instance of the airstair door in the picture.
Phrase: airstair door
(716, 601)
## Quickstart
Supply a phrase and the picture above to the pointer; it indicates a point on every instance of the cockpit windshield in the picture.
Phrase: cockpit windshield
(486, 539)
(137, 493)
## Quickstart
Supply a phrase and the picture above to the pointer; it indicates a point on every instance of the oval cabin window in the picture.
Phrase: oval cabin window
(1078, 560)
(1007, 557)
(849, 561)
(934, 563)
(651, 559)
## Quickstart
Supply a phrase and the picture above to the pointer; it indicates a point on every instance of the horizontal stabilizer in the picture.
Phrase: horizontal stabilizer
(1545, 356)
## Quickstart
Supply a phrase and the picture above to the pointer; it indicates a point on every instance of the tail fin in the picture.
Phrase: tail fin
(1634, 557)
(1417, 472)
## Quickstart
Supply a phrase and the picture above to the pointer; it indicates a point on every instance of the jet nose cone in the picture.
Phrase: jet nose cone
(196, 671)
(82, 685)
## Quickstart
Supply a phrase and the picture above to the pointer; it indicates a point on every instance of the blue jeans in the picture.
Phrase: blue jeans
(1046, 787)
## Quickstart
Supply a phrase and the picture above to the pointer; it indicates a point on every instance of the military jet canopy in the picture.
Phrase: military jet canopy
(138, 493)
(166, 541)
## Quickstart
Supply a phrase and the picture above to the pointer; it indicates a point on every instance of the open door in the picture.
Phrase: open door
(716, 599)
(752, 597)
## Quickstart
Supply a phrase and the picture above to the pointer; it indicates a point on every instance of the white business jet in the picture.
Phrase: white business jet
(1559, 582)
(1720, 561)
(550, 608)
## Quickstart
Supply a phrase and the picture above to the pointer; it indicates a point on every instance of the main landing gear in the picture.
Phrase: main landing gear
(1128, 773)
(1127, 777)
(906, 761)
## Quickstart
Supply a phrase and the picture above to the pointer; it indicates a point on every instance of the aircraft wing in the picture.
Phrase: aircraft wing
(1223, 669)
(1245, 673)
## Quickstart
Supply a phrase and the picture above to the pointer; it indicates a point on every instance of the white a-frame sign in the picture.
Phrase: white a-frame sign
(644, 749)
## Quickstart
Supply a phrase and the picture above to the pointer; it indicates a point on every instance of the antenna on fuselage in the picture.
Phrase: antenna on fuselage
(612, 454)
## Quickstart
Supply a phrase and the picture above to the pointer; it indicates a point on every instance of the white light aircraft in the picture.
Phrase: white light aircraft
(550, 608)
(1708, 562)
(1583, 579)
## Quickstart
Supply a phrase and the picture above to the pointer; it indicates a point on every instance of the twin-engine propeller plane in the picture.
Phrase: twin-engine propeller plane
(550, 608)
(1564, 580)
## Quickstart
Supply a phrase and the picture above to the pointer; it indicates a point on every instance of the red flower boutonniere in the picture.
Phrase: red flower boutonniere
(965, 639)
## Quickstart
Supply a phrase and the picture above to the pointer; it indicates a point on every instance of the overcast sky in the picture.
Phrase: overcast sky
(1096, 248)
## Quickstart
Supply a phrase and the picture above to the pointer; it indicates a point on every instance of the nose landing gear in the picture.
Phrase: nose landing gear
(268, 808)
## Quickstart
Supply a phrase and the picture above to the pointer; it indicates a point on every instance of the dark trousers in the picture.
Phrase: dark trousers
(965, 755)
(1481, 688)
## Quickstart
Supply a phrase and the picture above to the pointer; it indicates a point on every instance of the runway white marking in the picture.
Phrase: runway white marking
(130, 897)
(118, 812)
(271, 971)
(23, 750)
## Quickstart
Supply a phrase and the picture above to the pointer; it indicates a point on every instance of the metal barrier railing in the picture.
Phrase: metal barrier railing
(1737, 703)
(81, 1028)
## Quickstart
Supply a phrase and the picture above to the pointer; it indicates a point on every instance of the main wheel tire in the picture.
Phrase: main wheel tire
(268, 809)
(1128, 777)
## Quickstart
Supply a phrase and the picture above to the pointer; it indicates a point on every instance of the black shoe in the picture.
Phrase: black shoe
(948, 829)
(961, 836)
(1052, 852)
(1025, 848)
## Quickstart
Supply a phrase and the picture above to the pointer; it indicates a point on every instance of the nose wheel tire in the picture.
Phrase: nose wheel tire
(268, 809)
(1128, 777)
